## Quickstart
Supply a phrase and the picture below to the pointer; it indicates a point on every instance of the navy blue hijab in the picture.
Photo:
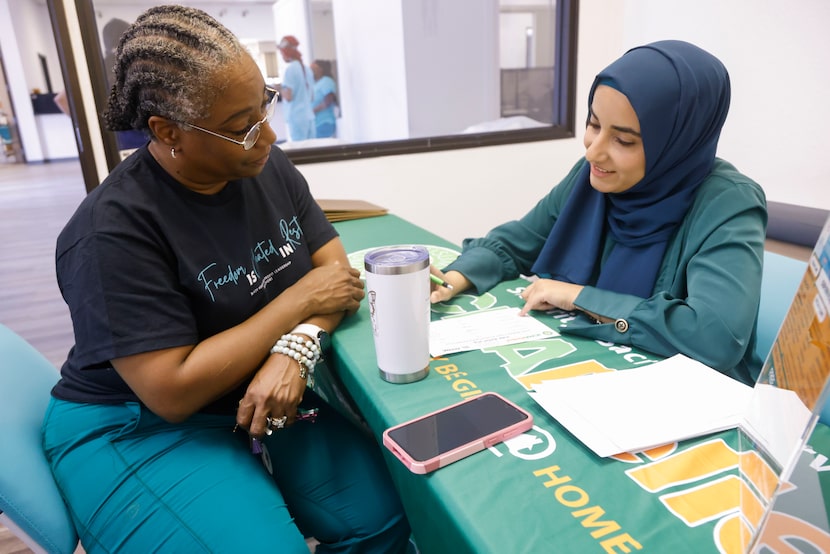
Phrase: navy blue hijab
(680, 94)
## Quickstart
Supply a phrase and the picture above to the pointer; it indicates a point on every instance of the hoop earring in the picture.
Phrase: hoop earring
(173, 152)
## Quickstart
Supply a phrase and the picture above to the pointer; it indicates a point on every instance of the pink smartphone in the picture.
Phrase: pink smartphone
(445, 436)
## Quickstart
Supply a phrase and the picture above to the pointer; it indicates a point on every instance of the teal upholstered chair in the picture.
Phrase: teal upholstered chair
(30, 504)
(780, 281)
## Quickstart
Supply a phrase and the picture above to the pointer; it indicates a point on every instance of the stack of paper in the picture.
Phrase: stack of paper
(777, 419)
(484, 329)
(641, 408)
(343, 210)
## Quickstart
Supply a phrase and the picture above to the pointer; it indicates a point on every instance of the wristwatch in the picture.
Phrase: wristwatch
(319, 335)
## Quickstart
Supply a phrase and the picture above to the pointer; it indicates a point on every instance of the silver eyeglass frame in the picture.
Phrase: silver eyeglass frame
(252, 136)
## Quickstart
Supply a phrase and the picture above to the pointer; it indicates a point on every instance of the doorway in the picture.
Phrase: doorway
(10, 151)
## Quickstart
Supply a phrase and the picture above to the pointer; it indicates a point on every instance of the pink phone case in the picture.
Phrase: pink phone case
(476, 445)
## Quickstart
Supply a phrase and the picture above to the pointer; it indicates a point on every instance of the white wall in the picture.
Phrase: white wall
(415, 68)
(322, 33)
(18, 21)
(513, 27)
(452, 76)
(291, 17)
(370, 53)
(28, 19)
(247, 21)
(777, 54)
(513, 46)
(57, 136)
(461, 193)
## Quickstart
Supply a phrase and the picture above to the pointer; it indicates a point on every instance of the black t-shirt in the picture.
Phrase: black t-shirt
(146, 264)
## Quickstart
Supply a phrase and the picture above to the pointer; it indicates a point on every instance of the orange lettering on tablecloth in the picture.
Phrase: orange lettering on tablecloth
(590, 518)
(714, 500)
(758, 472)
(656, 453)
(659, 452)
(620, 543)
(710, 500)
(553, 479)
(627, 457)
(780, 529)
(459, 384)
(732, 535)
(695, 463)
(573, 496)
(444, 369)
(530, 380)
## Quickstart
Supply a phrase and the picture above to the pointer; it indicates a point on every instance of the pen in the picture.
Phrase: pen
(437, 280)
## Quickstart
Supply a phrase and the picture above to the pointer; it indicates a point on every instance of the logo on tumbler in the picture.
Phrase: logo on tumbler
(372, 297)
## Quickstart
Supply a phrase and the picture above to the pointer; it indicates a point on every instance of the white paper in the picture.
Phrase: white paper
(777, 419)
(648, 406)
(484, 329)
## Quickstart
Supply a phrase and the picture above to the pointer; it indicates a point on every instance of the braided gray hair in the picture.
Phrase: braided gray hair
(165, 65)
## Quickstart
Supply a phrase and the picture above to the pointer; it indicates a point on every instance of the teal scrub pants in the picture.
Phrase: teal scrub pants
(300, 130)
(136, 483)
(325, 129)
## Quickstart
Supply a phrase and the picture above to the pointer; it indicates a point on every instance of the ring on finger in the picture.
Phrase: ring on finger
(275, 423)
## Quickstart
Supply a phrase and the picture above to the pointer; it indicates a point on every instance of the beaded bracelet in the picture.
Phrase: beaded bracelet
(304, 351)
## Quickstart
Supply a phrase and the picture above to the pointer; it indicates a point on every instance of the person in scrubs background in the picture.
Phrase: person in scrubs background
(325, 99)
(297, 90)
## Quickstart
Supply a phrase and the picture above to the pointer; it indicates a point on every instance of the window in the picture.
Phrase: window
(416, 76)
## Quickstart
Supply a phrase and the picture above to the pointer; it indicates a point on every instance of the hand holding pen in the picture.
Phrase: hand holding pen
(441, 289)
(438, 281)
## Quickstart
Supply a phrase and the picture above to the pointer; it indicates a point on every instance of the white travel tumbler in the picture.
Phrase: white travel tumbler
(397, 285)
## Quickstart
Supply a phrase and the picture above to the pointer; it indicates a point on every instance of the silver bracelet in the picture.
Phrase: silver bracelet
(306, 352)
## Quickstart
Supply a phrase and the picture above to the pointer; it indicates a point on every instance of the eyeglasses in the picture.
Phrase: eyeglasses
(253, 133)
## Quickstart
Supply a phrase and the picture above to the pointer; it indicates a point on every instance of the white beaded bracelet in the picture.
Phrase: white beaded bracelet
(304, 351)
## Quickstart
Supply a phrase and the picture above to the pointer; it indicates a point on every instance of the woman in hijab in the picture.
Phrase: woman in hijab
(654, 241)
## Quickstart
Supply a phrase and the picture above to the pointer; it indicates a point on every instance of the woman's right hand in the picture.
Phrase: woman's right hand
(333, 288)
(275, 391)
(440, 293)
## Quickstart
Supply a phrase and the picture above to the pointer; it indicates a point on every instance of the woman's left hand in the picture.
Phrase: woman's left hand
(275, 391)
(547, 294)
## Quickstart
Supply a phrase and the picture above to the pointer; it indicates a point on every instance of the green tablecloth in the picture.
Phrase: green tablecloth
(545, 492)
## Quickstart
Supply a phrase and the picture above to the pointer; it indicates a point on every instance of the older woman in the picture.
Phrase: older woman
(202, 279)
(657, 242)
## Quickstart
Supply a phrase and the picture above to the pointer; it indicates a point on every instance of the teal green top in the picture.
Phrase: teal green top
(705, 299)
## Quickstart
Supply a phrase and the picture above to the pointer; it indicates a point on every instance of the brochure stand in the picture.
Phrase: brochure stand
(784, 444)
